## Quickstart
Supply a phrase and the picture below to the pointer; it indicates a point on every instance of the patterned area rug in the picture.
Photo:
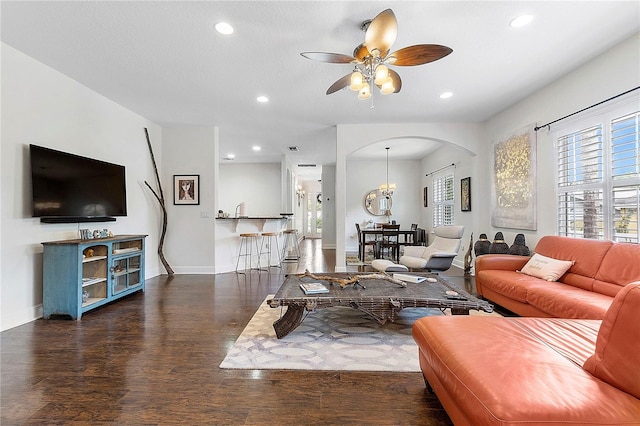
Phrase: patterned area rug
(337, 338)
(352, 260)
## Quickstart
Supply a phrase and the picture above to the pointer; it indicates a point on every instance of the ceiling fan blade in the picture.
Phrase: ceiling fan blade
(340, 84)
(382, 32)
(333, 58)
(418, 54)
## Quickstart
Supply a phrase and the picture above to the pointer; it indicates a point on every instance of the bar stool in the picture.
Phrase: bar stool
(291, 249)
(248, 241)
(268, 241)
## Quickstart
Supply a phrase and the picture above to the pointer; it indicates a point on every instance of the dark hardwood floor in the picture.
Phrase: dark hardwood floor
(152, 358)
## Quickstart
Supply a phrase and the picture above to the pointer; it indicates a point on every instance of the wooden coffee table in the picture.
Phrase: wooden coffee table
(380, 298)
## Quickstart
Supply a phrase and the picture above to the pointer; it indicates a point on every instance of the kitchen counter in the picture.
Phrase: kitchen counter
(262, 220)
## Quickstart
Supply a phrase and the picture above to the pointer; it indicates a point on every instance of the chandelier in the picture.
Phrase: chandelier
(372, 70)
(387, 189)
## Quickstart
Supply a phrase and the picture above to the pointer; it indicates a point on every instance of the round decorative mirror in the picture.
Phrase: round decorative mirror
(376, 203)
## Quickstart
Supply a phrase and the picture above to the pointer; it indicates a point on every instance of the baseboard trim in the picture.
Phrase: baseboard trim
(15, 319)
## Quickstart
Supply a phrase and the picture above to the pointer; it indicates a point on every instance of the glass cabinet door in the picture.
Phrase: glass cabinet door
(125, 273)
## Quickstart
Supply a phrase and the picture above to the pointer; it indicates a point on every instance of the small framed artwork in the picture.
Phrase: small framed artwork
(425, 196)
(186, 190)
(465, 194)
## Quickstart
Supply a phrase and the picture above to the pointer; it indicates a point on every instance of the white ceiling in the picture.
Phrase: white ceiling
(164, 61)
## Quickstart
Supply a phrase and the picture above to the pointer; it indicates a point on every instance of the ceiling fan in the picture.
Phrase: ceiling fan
(370, 59)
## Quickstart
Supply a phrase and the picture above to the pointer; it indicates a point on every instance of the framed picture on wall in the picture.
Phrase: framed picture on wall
(465, 194)
(186, 190)
(425, 196)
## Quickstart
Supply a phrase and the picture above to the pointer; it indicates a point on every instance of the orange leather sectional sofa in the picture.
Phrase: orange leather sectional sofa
(580, 368)
(600, 270)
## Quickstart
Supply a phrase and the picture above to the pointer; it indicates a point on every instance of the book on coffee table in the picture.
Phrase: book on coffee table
(313, 288)
(409, 278)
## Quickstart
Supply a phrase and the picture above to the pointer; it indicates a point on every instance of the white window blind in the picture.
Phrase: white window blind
(580, 157)
(580, 214)
(625, 159)
(443, 200)
(625, 172)
(626, 204)
(598, 178)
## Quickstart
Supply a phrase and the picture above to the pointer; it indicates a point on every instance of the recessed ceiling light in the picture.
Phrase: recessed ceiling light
(446, 95)
(224, 28)
(256, 148)
(262, 99)
(521, 21)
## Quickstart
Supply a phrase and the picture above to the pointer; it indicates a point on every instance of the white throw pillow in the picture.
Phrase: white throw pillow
(546, 268)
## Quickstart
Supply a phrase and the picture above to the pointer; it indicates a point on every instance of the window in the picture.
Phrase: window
(599, 179)
(443, 200)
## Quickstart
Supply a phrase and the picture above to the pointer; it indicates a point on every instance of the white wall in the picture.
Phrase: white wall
(329, 212)
(614, 72)
(190, 240)
(43, 107)
(257, 185)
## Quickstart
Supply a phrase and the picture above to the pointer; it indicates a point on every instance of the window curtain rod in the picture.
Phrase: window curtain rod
(583, 109)
(441, 168)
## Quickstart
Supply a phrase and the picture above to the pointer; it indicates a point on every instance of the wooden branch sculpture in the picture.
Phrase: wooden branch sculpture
(351, 280)
(468, 257)
(160, 199)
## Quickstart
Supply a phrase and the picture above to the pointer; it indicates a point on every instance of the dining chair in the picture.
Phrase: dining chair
(363, 243)
(390, 241)
(413, 238)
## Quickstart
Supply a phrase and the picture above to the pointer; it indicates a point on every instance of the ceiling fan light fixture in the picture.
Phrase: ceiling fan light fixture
(381, 74)
(357, 81)
(387, 87)
(365, 92)
(370, 59)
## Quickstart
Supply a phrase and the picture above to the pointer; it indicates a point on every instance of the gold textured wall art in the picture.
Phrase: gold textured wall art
(514, 181)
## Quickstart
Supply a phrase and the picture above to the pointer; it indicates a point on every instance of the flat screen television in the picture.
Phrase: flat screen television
(68, 188)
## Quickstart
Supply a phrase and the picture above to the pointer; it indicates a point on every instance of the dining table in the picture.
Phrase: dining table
(406, 237)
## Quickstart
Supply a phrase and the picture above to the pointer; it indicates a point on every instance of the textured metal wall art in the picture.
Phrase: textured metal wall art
(514, 181)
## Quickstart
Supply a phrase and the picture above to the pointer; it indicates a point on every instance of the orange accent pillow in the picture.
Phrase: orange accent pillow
(617, 354)
(546, 268)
